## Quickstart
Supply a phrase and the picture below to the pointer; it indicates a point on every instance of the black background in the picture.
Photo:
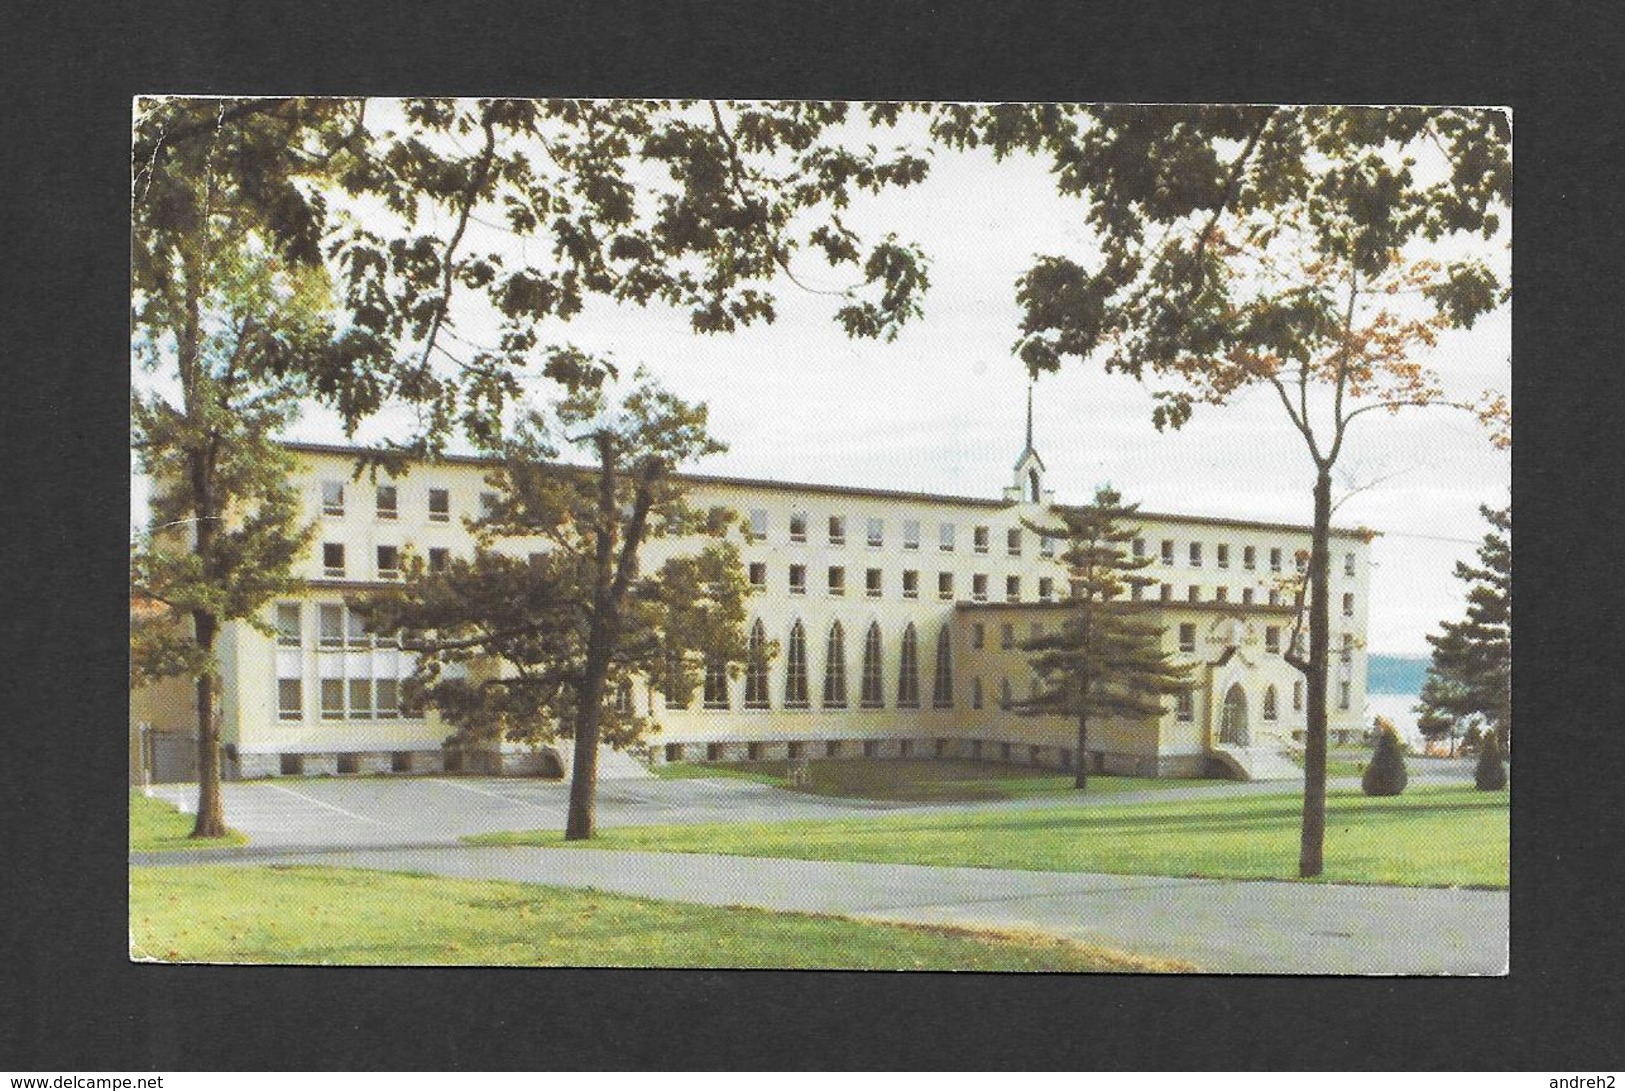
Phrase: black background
(69, 1000)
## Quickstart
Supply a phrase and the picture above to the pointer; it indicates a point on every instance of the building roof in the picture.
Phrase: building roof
(345, 451)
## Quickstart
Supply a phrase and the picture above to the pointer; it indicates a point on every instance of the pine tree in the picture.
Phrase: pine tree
(1490, 774)
(1471, 671)
(1107, 659)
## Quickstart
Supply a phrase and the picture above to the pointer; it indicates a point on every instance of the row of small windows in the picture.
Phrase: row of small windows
(875, 531)
(359, 671)
(874, 583)
(1249, 556)
(386, 502)
(388, 559)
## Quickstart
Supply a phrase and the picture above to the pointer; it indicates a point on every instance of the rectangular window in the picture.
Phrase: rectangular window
(1196, 554)
(438, 557)
(945, 585)
(1348, 605)
(758, 574)
(945, 537)
(332, 498)
(871, 583)
(389, 563)
(798, 527)
(1343, 696)
(488, 505)
(877, 533)
(911, 534)
(1012, 541)
(1187, 637)
(1168, 551)
(1221, 594)
(290, 699)
(1007, 636)
(758, 525)
(331, 627)
(1137, 591)
(1297, 696)
(361, 698)
(1302, 559)
(288, 632)
(911, 584)
(978, 587)
(439, 506)
(716, 686)
(1139, 547)
(1348, 564)
(387, 692)
(798, 579)
(1193, 593)
(1046, 545)
(1012, 589)
(976, 699)
(1249, 558)
(1272, 639)
(332, 559)
(1275, 560)
(1187, 706)
(1246, 596)
(978, 635)
(1275, 596)
(1221, 556)
(979, 539)
(1046, 589)
(388, 502)
(837, 580)
(1345, 653)
(355, 630)
(837, 530)
(332, 698)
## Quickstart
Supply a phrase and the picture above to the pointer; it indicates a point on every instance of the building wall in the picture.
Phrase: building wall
(257, 731)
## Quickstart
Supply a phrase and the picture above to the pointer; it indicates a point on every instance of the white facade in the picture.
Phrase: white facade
(322, 696)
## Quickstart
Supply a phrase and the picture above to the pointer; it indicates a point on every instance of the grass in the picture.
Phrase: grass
(156, 826)
(1430, 836)
(316, 915)
(924, 781)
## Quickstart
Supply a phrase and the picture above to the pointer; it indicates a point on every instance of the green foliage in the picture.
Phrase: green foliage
(1107, 658)
(1490, 775)
(1470, 674)
(1386, 775)
(508, 647)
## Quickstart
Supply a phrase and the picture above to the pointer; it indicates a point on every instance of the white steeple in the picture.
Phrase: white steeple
(1028, 485)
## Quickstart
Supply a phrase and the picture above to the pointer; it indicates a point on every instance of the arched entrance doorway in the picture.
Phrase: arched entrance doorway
(1233, 720)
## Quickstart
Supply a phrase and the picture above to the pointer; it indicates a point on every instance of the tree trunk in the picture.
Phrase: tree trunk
(584, 771)
(1081, 780)
(1311, 853)
(211, 811)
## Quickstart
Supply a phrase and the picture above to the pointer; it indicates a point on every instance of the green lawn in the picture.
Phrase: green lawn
(1431, 836)
(945, 781)
(156, 826)
(339, 916)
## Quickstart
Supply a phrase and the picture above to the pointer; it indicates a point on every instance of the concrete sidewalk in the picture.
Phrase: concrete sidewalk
(1222, 926)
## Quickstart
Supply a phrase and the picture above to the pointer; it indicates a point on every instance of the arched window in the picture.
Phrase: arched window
(908, 671)
(795, 668)
(1033, 492)
(872, 697)
(835, 668)
(678, 686)
(756, 667)
(942, 689)
(1269, 703)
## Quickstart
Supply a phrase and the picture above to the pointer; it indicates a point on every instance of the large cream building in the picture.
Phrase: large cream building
(898, 618)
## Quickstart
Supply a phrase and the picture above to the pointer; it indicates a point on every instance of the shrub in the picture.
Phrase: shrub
(1385, 776)
(1491, 774)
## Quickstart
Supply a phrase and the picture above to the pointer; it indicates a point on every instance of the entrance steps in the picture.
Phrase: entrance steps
(1257, 763)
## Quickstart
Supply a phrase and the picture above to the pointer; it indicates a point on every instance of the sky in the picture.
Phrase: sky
(942, 408)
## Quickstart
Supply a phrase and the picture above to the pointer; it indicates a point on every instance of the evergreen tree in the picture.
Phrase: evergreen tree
(536, 649)
(1471, 669)
(1386, 775)
(1490, 775)
(1107, 658)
